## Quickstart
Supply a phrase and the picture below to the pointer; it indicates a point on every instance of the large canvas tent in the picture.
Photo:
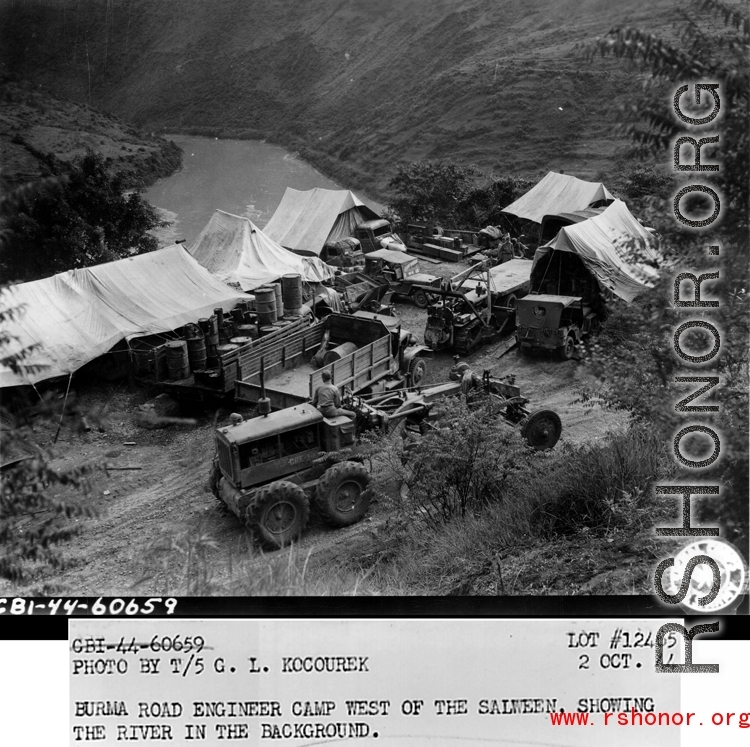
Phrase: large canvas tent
(76, 316)
(602, 244)
(305, 220)
(555, 194)
(235, 250)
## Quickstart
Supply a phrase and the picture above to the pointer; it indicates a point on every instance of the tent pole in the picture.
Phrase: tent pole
(62, 414)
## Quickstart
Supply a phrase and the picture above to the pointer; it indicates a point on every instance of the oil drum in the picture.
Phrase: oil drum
(265, 305)
(339, 352)
(177, 359)
(291, 292)
(196, 349)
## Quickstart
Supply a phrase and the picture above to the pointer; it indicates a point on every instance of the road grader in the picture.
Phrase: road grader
(269, 468)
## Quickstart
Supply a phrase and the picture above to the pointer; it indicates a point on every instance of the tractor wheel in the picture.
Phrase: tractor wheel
(566, 351)
(542, 429)
(342, 495)
(278, 514)
(416, 372)
(420, 299)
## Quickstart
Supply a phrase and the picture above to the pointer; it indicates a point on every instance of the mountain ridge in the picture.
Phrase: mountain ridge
(356, 88)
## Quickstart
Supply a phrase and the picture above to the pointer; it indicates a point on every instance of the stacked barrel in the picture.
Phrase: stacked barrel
(270, 307)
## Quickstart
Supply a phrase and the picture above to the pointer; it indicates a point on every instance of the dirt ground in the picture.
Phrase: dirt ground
(168, 493)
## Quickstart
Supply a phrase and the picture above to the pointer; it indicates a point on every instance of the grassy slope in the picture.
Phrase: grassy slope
(357, 87)
(33, 122)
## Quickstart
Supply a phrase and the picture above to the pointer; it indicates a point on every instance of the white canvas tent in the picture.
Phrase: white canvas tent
(235, 250)
(305, 220)
(555, 194)
(600, 242)
(76, 316)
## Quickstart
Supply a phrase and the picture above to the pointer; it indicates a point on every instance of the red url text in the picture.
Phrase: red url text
(664, 718)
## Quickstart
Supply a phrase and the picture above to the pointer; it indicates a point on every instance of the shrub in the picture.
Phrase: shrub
(601, 485)
(485, 456)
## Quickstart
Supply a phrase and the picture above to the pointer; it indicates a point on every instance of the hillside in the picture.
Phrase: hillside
(34, 123)
(357, 87)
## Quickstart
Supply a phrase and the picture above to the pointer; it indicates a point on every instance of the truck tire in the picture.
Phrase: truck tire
(420, 299)
(542, 429)
(342, 496)
(278, 514)
(416, 372)
(566, 351)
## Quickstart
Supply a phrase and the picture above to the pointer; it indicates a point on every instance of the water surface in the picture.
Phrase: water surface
(244, 177)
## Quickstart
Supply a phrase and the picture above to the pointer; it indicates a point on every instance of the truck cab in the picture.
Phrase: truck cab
(377, 234)
(346, 252)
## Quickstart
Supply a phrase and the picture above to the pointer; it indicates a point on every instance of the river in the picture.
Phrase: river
(244, 177)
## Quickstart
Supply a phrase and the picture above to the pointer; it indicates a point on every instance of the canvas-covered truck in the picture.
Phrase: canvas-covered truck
(270, 468)
(365, 352)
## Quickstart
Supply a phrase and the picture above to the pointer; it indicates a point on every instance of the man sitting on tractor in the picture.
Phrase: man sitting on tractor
(327, 399)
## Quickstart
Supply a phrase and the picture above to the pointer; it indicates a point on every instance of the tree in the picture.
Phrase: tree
(430, 191)
(454, 196)
(633, 356)
(39, 506)
(83, 217)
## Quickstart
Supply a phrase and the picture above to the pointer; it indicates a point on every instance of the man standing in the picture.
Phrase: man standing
(327, 399)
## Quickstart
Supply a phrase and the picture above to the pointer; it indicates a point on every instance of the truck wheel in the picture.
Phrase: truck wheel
(526, 350)
(278, 514)
(420, 299)
(342, 495)
(566, 351)
(542, 429)
(416, 372)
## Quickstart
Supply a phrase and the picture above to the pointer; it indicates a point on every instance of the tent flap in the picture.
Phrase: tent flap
(76, 316)
(555, 194)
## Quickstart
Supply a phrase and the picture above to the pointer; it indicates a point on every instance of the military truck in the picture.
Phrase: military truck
(551, 322)
(565, 305)
(364, 351)
(402, 275)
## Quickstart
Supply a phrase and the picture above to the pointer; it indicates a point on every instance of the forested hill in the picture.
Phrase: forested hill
(356, 85)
